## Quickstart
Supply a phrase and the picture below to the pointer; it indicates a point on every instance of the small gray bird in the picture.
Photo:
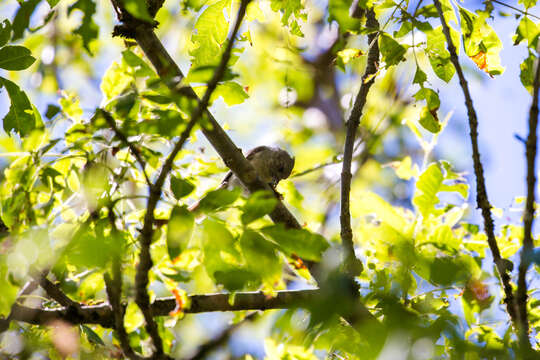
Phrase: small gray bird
(271, 163)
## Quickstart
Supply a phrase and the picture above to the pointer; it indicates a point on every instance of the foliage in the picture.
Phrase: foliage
(89, 125)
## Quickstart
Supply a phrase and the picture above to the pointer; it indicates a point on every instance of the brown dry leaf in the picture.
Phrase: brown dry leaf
(480, 60)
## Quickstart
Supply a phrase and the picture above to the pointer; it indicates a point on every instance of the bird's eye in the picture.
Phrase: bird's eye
(281, 169)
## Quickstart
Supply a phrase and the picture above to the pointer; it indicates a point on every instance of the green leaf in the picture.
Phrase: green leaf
(20, 117)
(527, 72)
(92, 336)
(261, 256)
(431, 97)
(15, 58)
(300, 242)
(438, 56)
(429, 185)
(527, 3)
(138, 9)
(181, 187)
(338, 10)
(259, 204)
(210, 35)
(52, 110)
(392, 52)
(140, 66)
(222, 260)
(179, 230)
(22, 18)
(428, 117)
(232, 93)
(88, 29)
(218, 199)
(481, 42)
(52, 3)
(5, 32)
(527, 30)
(133, 318)
(448, 11)
(419, 76)
(292, 11)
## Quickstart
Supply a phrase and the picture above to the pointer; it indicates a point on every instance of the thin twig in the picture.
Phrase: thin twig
(481, 192)
(515, 9)
(112, 123)
(528, 217)
(351, 262)
(145, 261)
(54, 291)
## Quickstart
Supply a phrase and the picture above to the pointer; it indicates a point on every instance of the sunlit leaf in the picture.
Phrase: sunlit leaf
(88, 29)
(179, 230)
(181, 187)
(218, 199)
(20, 117)
(258, 205)
(391, 51)
(301, 242)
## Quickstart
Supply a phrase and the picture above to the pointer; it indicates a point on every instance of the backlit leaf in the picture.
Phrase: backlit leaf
(15, 58)
(179, 230)
(20, 117)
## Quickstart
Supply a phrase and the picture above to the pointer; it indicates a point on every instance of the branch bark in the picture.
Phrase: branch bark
(352, 264)
(528, 217)
(481, 192)
(102, 314)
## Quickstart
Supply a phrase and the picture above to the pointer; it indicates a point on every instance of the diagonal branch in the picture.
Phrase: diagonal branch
(145, 261)
(110, 120)
(352, 264)
(528, 217)
(481, 192)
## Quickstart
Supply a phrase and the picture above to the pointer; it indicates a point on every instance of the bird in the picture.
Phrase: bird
(272, 164)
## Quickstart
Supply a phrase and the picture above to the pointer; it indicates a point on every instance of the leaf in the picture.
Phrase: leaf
(134, 318)
(346, 55)
(292, 11)
(527, 30)
(53, 3)
(20, 117)
(92, 336)
(259, 204)
(138, 8)
(15, 58)
(140, 66)
(480, 40)
(210, 36)
(232, 93)
(527, 3)
(181, 187)
(300, 242)
(179, 230)
(338, 10)
(261, 256)
(52, 110)
(419, 76)
(392, 52)
(429, 185)
(428, 117)
(22, 18)
(526, 74)
(438, 56)
(218, 199)
(222, 260)
(5, 32)
(88, 29)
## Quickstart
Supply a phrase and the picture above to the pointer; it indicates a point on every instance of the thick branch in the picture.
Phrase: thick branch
(102, 314)
(481, 192)
(353, 265)
(528, 216)
(232, 156)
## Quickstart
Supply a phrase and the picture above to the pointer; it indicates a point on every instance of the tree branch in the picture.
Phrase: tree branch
(119, 134)
(481, 192)
(145, 261)
(528, 216)
(27, 289)
(352, 264)
(232, 156)
(102, 314)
